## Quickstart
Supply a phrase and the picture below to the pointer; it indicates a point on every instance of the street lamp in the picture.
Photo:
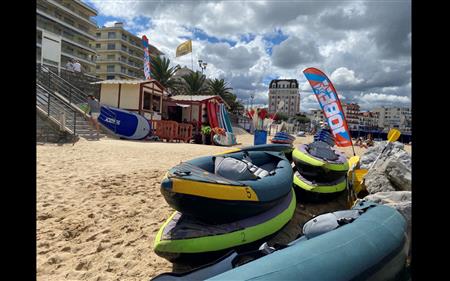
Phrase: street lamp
(202, 65)
(252, 96)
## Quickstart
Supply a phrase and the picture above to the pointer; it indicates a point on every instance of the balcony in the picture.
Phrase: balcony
(64, 23)
(73, 12)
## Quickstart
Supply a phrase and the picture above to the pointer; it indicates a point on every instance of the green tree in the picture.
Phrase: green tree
(302, 119)
(282, 116)
(194, 84)
(220, 87)
(162, 72)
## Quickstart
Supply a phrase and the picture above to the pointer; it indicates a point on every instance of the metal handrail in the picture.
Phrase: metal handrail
(44, 102)
(74, 100)
(62, 79)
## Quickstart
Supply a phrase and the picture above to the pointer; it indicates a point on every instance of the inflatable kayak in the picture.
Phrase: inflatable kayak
(285, 148)
(309, 190)
(228, 187)
(366, 243)
(184, 239)
(320, 160)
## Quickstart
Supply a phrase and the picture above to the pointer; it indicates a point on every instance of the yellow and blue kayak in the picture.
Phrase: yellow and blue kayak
(193, 188)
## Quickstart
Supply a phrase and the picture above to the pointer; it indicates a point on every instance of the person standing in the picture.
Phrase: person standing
(94, 111)
(77, 66)
(69, 65)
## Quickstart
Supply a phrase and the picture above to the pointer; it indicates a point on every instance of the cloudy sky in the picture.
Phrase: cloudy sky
(363, 46)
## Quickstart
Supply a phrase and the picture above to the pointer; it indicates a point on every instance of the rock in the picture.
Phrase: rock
(398, 174)
(375, 181)
(391, 172)
(394, 150)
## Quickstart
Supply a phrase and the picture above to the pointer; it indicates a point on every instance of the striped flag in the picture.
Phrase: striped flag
(331, 106)
(146, 58)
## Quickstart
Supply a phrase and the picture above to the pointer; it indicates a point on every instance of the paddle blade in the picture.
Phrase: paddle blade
(359, 174)
(393, 135)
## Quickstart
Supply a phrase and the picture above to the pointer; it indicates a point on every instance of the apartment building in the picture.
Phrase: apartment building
(316, 116)
(64, 31)
(352, 114)
(120, 54)
(394, 117)
(285, 90)
(368, 121)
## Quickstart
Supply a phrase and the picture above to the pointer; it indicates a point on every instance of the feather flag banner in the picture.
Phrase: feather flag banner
(147, 72)
(331, 106)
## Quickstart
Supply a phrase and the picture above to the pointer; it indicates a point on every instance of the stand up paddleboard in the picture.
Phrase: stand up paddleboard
(123, 123)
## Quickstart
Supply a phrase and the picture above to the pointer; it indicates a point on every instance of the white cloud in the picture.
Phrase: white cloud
(372, 100)
(109, 23)
(338, 39)
(344, 76)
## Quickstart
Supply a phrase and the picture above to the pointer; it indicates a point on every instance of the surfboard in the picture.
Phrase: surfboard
(123, 123)
(213, 120)
(227, 120)
(220, 117)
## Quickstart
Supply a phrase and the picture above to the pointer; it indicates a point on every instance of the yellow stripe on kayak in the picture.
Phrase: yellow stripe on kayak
(229, 151)
(214, 191)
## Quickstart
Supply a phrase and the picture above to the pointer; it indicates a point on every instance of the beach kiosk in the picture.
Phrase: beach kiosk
(192, 109)
(142, 96)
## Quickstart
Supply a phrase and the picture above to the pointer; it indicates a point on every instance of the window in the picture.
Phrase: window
(109, 77)
(111, 35)
(147, 101)
(123, 70)
(111, 46)
(124, 37)
(110, 57)
(98, 34)
(98, 46)
(156, 103)
(110, 68)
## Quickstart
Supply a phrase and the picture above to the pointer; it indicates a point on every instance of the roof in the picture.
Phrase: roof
(130, 81)
(197, 98)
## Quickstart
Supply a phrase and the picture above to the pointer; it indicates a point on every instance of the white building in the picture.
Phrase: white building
(394, 117)
(316, 116)
(285, 90)
(65, 30)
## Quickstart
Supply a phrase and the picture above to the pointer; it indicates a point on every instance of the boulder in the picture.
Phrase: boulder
(395, 150)
(398, 174)
(392, 172)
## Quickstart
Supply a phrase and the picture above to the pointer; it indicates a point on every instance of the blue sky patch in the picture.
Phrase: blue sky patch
(274, 39)
(267, 79)
(199, 34)
(247, 38)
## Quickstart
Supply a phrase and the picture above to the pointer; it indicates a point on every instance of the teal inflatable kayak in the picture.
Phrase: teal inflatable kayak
(366, 243)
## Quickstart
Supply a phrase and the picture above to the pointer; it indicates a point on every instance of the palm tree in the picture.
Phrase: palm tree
(163, 73)
(219, 87)
(194, 83)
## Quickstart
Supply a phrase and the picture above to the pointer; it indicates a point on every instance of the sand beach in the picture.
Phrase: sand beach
(99, 206)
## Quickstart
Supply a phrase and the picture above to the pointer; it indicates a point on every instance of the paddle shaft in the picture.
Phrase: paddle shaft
(379, 155)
